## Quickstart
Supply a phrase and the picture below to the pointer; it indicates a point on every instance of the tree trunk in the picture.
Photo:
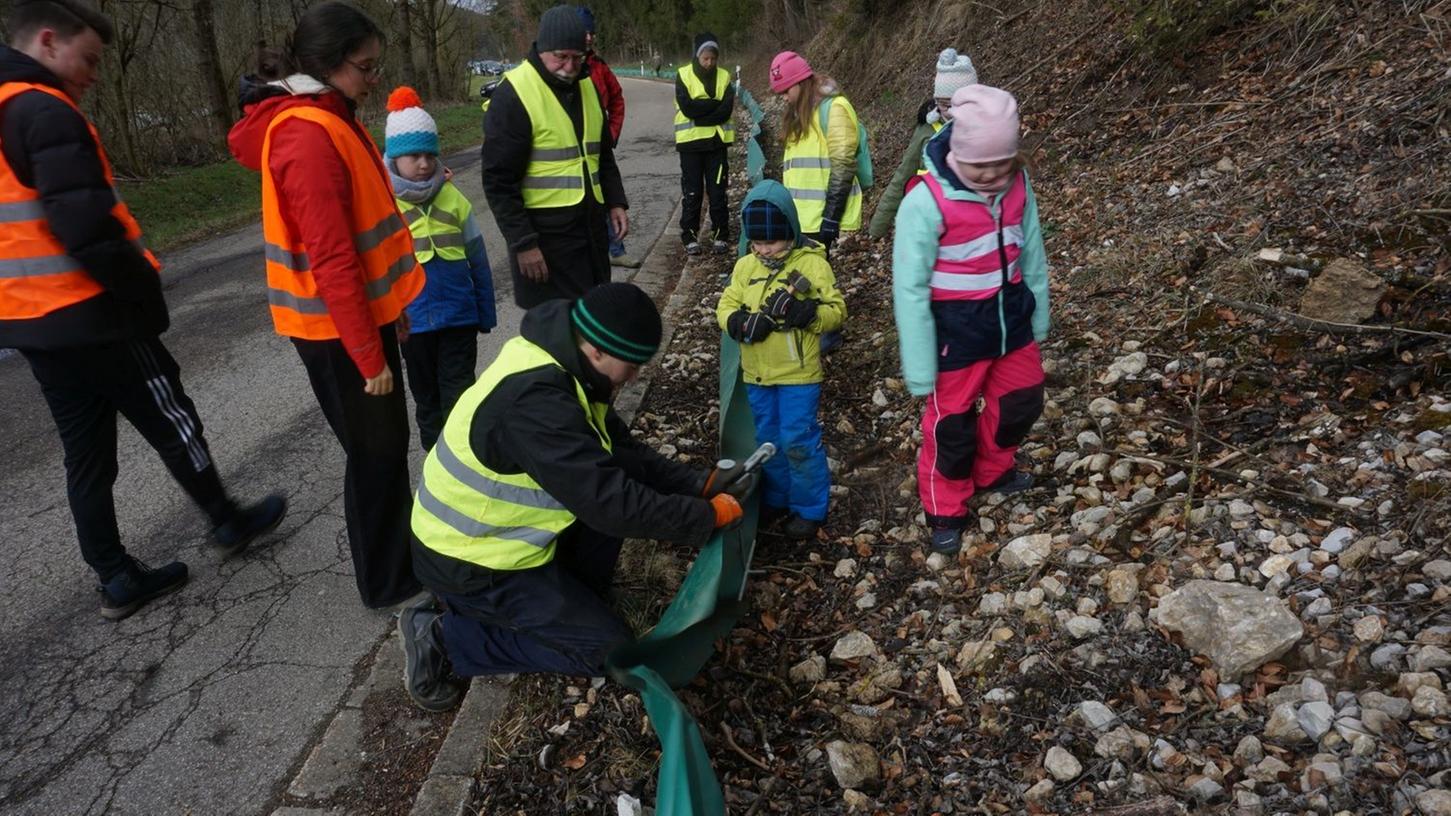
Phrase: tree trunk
(430, 46)
(204, 31)
(405, 43)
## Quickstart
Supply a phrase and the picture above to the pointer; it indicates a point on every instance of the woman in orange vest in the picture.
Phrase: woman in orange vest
(340, 268)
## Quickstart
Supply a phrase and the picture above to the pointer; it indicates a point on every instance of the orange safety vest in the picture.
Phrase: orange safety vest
(384, 244)
(37, 277)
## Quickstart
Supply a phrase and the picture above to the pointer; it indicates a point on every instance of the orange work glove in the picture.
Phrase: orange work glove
(727, 510)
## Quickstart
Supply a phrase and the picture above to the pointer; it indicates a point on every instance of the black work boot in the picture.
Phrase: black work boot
(425, 662)
(136, 584)
(233, 535)
(799, 528)
(946, 540)
(1014, 481)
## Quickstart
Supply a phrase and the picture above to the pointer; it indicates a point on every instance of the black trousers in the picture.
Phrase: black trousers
(440, 368)
(86, 387)
(706, 173)
(551, 618)
(377, 496)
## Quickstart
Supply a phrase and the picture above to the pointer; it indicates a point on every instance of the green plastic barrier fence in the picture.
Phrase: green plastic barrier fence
(755, 155)
(705, 609)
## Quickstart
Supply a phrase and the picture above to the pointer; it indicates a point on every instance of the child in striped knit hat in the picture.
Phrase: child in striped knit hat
(457, 301)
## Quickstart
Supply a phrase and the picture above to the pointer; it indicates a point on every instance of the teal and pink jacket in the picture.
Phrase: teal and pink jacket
(969, 273)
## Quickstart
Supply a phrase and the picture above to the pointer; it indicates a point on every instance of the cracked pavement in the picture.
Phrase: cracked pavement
(207, 700)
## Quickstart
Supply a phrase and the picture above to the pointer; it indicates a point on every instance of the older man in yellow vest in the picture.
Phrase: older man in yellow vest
(549, 168)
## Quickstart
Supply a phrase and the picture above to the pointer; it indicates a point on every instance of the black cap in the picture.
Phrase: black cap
(560, 29)
(620, 320)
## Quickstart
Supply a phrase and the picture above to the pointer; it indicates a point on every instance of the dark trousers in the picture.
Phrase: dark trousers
(551, 618)
(440, 368)
(377, 497)
(706, 173)
(85, 387)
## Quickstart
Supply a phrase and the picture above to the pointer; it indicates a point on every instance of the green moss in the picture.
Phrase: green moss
(1169, 28)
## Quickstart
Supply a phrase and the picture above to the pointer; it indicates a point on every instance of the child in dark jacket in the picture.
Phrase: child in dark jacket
(970, 293)
(781, 297)
(457, 301)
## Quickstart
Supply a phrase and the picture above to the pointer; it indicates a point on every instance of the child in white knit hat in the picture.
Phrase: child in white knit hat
(954, 71)
(457, 301)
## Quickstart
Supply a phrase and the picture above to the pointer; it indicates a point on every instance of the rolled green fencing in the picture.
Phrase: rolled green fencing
(706, 607)
(755, 151)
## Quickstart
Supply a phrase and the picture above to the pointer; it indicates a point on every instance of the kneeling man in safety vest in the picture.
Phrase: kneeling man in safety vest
(526, 497)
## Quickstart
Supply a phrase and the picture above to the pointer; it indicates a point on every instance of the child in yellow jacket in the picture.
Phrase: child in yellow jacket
(781, 298)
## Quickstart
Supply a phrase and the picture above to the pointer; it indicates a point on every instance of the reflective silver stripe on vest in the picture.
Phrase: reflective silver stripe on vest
(477, 529)
(413, 214)
(494, 489)
(686, 126)
(445, 217)
(41, 265)
(297, 303)
(378, 287)
(807, 195)
(592, 148)
(972, 281)
(807, 163)
(376, 235)
(977, 247)
(553, 154)
(21, 211)
(553, 182)
(296, 261)
(448, 239)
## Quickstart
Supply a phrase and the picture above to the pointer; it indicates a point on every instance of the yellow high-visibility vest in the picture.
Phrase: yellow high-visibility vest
(438, 228)
(685, 128)
(558, 164)
(806, 173)
(465, 510)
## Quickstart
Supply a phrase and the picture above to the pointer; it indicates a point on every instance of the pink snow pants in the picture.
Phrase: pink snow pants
(973, 424)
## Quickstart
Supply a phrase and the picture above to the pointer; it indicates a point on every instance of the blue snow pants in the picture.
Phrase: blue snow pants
(796, 478)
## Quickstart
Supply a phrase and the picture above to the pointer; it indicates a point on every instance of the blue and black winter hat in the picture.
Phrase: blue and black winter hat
(620, 320)
(763, 221)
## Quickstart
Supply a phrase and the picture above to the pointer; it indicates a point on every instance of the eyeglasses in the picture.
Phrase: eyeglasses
(369, 71)
(567, 56)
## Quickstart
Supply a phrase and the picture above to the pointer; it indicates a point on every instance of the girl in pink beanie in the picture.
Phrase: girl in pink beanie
(970, 295)
(820, 166)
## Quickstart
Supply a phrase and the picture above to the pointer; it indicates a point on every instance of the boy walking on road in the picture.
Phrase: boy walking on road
(80, 297)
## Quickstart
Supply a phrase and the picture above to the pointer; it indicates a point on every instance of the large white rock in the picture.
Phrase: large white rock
(854, 764)
(1061, 764)
(853, 646)
(1026, 552)
(1238, 627)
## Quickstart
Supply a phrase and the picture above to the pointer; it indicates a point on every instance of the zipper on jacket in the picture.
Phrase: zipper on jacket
(996, 210)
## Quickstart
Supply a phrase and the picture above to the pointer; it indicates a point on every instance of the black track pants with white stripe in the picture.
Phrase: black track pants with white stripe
(86, 387)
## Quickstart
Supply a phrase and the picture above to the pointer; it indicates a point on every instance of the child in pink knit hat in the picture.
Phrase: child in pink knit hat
(970, 295)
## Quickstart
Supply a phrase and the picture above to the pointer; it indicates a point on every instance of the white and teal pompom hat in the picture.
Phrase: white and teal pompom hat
(410, 129)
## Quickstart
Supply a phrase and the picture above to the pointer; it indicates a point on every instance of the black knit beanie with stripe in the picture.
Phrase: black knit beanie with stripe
(620, 320)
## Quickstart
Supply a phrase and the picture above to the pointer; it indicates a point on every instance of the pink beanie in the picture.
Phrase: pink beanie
(787, 69)
(984, 125)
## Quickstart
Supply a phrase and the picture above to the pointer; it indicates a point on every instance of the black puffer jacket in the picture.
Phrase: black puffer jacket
(704, 112)
(49, 148)
(532, 423)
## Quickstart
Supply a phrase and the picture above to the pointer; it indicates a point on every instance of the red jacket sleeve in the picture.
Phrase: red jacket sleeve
(611, 95)
(314, 192)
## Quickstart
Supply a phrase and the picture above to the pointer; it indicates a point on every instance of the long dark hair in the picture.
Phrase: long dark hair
(325, 36)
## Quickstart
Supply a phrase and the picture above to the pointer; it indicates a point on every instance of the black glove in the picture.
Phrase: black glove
(829, 230)
(777, 305)
(800, 313)
(736, 325)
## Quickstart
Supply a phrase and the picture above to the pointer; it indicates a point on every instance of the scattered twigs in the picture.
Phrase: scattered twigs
(730, 739)
(1229, 474)
(1309, 322)
(1158, 806)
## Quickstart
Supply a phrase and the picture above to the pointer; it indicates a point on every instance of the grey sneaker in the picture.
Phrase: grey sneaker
(692, 248)
(425, 663)
(720, 247)
(627, 260)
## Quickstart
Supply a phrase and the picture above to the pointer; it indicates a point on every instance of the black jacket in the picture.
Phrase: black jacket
(532, 423)
(573, 239)
(704, 112)
(49, 147)
(508, 141)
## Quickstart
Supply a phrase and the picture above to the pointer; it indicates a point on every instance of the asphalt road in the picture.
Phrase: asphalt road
(205, 701)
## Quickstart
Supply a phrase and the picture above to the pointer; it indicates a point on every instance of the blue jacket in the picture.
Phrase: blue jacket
(974, 330)
(456, 293)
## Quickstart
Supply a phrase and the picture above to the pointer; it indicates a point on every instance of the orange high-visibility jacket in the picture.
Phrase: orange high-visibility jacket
(384, 244)
(36, 275)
